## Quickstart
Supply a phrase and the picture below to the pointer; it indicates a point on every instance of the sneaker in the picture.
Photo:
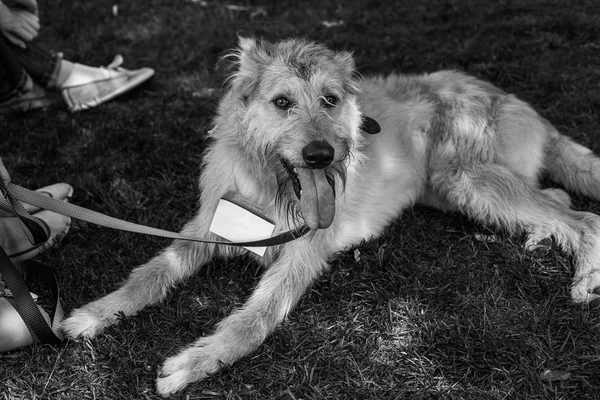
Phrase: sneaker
(117, 81)
(36, 98)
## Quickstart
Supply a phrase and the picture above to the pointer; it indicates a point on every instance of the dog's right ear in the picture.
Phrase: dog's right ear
(254, 54)
(250, 58)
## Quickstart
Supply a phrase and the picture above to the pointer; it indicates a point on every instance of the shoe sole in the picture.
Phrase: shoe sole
(136, 81)
(31, 104)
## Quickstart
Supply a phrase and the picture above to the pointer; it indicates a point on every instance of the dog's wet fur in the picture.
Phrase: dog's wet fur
(290, 135)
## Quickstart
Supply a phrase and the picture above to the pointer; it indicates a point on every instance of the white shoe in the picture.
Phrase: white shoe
(82, 94)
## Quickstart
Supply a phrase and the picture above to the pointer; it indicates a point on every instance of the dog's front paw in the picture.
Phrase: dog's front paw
(192, 364)
(84, 323)
(586, 289)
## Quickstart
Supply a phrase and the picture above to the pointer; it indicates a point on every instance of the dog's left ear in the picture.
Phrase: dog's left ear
(369, 125)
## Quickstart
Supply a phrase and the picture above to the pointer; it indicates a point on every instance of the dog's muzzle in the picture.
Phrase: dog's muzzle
(318, 154)
(312, 186)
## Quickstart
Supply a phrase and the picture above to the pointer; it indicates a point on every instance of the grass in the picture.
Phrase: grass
(425, 312)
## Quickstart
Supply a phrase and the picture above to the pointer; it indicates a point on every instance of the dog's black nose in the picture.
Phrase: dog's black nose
(318, 154)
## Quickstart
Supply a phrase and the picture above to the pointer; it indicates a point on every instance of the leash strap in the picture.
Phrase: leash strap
(37, 233)
(27, 308)
(74, 211)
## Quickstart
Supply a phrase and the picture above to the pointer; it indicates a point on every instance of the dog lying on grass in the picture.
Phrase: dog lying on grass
(296, 134)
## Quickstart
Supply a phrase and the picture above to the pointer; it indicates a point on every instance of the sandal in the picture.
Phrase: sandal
(17, 244)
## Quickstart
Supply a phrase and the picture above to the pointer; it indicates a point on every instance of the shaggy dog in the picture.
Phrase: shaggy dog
(297, 135)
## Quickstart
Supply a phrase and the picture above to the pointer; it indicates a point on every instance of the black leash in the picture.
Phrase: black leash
(47, 203)
(37, 233)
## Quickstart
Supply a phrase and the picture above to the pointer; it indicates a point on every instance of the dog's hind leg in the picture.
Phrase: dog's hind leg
(147, 284)
(490, 193)
(571, 164)
(242, 332)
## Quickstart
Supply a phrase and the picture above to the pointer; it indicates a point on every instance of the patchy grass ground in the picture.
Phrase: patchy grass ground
(425, 312)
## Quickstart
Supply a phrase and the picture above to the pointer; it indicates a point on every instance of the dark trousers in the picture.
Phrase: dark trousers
(18, 65)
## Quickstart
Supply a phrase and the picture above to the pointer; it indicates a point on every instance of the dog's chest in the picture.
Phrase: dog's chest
(375, 196)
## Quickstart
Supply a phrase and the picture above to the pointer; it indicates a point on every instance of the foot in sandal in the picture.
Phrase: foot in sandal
(13, 238)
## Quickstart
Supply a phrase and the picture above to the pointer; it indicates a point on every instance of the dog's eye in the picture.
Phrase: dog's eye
(330, 101)
(282, 103)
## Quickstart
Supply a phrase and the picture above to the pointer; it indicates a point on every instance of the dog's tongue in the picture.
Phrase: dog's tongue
(317, 202)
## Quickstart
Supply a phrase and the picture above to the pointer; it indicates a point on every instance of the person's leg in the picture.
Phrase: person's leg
(14, 81)
(24, 74)
(42, 65)
(82, 87)
(50, 70)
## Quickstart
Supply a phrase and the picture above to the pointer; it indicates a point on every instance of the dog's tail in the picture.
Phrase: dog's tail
(572, 165)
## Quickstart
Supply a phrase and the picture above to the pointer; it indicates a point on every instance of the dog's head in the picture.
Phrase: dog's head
(296, 101)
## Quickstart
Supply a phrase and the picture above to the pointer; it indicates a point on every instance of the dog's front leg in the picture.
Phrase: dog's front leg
(242, 332)
(147, 284)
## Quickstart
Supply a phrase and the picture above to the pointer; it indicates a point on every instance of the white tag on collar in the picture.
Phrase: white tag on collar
(237, 220)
